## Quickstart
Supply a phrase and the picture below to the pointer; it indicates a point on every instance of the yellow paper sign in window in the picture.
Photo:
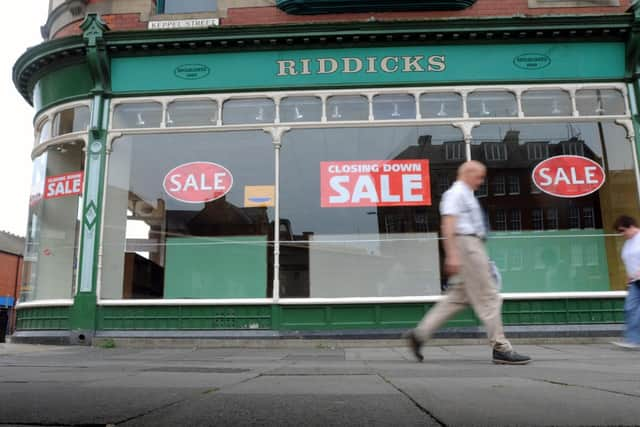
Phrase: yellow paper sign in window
(259, 196)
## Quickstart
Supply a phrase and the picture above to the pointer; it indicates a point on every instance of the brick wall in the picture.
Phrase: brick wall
(481, 9)
(10, 273)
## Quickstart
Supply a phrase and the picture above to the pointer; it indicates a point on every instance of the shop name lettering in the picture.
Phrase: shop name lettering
(369, 64)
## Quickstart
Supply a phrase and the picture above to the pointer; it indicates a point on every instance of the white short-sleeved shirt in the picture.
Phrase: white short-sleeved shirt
(631, 257)
(460, 202)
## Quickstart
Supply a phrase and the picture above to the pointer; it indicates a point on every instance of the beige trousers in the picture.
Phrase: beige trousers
(476, 288)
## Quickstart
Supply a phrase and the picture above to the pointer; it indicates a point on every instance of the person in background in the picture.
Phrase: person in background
(467, 265)
(628, 227)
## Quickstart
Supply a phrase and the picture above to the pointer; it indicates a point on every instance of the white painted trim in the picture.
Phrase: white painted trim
(370, 93)
(366, 300)
(173, 302)
(46, 303)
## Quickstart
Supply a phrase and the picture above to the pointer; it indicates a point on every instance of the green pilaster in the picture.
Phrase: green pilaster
(83, 315)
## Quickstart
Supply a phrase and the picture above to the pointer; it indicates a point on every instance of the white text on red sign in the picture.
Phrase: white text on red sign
(375, 183)
(68, 184)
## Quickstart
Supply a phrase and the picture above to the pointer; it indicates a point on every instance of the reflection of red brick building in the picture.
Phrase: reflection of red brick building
(509, 197)
(11, 250)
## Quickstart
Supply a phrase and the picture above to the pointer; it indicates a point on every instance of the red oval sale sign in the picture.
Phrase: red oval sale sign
(568, 176)
(198, 182)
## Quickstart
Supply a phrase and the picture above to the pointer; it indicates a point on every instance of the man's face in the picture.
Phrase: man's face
(627, 232)
(476, 178)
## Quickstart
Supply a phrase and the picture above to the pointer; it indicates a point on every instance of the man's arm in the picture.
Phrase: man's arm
(451, 259)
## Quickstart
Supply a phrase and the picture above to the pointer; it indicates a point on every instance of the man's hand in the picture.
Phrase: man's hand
(451, 265)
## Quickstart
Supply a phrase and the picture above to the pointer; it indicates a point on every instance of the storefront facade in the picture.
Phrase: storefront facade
(164, 159)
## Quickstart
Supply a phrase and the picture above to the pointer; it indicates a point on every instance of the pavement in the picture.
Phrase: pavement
(318, 385)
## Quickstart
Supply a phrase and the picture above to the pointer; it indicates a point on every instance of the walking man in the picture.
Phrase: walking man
(628, 227)
(467, 266)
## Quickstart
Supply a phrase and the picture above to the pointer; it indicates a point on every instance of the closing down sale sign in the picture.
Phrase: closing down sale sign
(375, 183)
(68, 184)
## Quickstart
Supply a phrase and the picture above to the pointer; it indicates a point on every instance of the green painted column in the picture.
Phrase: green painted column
(83, 314)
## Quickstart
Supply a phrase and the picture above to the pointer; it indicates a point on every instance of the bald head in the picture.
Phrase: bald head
(472, 173)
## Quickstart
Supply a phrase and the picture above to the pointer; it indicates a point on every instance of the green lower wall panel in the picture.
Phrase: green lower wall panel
(319, 317)
(380, 316)
(184, 317)
(43, 318)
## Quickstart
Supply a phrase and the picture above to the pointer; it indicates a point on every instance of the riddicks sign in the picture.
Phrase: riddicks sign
(568, 176)
(198, 182)
(375, 183)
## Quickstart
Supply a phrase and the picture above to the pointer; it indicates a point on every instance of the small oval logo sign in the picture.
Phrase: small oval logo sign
(568, 176)
(532, 61)
(198, 182)
(191, 71)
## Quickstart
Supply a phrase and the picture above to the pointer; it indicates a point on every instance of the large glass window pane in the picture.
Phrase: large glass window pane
(439, 105)
(536, 103)
(202, 112)
(189, 215)
(492, 104)
(50, 261)
(355, 221)
(600, 102)
(394, 107)
(247, 111)
(71, 120)
(137, 115)
(347, 107)
(44, 133)
(300, 109)
(556, 230)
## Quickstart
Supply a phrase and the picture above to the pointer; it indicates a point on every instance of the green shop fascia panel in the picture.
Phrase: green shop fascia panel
(375, 66)
(216, 267)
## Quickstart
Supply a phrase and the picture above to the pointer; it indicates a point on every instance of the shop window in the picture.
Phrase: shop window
(394, 107)
(492, 104)
(556, 229)
(137, 115)
(537, 150)
(347, 107)
(360, 247)
(71, 120)
(248, 111)
(187, 6)
(192, 113)
(51, 243)
(189, 215)
(515, 220)
(44, 133)
(440, 105)
(514, 184)
(537, 103)
(600, 102)
(537, 219)
(499, 185)
(300, 109)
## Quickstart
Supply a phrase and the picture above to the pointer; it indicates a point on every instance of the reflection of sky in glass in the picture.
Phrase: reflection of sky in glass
(619, 155)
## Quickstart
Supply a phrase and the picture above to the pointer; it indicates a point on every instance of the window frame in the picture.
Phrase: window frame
(465, 123)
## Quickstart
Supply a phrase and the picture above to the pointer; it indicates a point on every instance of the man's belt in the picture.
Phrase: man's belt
(477, 236)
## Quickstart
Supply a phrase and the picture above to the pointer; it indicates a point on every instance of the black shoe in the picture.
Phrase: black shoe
(509, 358)
(415, 345)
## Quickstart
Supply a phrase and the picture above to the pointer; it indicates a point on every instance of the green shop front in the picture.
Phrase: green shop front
(164, 160)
